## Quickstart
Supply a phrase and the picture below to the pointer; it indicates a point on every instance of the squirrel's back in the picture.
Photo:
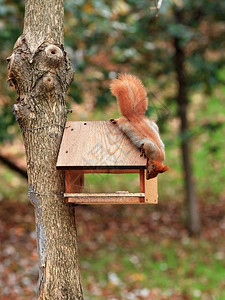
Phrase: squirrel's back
(131, 95)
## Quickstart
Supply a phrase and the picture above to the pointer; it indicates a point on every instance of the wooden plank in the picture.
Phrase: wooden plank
(104, 195)
(74, 181)
(112, 171)
(151, 190)
(142, 181)
(112, 198)
(91, 201)
(100, 144)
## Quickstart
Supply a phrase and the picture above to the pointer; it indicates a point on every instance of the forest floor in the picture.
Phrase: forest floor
(126, 252)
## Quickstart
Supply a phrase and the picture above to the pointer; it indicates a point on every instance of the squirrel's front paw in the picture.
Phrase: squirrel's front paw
(114, 121)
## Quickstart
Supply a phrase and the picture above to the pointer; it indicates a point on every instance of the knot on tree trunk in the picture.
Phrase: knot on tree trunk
(41, 79)
(54, 55)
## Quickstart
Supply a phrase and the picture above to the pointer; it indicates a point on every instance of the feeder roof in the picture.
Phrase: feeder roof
(97, 145)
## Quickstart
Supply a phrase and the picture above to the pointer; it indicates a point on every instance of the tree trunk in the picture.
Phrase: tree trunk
(41, 73)
(193, 219)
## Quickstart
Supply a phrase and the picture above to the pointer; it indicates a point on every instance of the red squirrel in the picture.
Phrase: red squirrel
(144, 133)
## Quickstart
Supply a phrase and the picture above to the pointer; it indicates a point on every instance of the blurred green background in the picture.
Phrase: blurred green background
(131, 252)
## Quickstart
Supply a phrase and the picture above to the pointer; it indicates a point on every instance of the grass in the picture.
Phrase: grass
(171, 268)
(124, 261)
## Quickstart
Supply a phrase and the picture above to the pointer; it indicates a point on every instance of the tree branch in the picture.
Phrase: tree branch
(10, 164)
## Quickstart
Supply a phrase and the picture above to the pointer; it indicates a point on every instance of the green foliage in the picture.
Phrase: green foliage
(12, 186)
(6, 121)
(11, 20)
(11, 14)
(210, 143)
(110, 183)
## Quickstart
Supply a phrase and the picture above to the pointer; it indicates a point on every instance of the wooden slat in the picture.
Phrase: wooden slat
(112, 198)
(112, 171)
(142, 181)
(103, 195)
(151, 190)
(74, 181)
(91, 201)
(97, 144)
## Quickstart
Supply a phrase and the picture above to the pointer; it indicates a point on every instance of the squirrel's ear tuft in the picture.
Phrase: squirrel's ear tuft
(163, 169)
(160, 168)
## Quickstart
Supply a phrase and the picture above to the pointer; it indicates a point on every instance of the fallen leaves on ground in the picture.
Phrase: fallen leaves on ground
(126, 252)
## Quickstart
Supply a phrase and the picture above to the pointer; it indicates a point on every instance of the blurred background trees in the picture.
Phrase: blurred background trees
(179, 56)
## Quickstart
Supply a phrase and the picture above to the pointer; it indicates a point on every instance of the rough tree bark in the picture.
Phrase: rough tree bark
(41, 73)
(193, 218)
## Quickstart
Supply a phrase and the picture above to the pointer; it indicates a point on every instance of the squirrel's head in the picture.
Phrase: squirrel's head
(154, 168)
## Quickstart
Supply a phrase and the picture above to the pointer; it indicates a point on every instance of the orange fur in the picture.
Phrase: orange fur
(130, 94)
(132, 100)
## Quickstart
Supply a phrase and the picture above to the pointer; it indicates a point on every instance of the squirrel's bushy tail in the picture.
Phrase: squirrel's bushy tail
(131, 95)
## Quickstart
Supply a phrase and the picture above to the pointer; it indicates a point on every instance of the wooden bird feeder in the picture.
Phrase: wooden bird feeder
(101, 147)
